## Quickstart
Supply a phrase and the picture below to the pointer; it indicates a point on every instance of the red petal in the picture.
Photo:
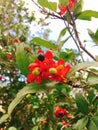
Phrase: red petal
(67, 69)
(30, 78)
(38, 79)
(61, 61)
(63, 10)
(48, 55)
(40, 51)
(32, 66)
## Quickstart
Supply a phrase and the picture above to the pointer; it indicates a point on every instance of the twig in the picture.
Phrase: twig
(74, 40)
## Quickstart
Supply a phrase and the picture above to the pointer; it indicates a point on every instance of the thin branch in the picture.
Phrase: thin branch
(74, 40)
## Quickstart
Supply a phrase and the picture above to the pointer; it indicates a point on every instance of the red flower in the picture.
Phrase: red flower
(9, 56)
(60, 112)
(0, 77)
(16, 40)
(64, 8)
(39, 69)
(45, 67)
(61, 71)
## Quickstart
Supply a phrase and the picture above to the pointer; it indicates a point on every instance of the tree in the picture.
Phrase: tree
(61, 88)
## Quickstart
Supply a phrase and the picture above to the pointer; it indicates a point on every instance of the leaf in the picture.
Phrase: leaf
(95, 120)
(78, 9)
(44, 43)
(3, 118)
(59, 42)
(88, 14)
(35, 128)
(50, 5)
(91, 96)
(91, 33)
(62, 33)
(92, 80)
(93, 124)
(80, 125)
(94, 36)
(82, 104)
(22, 59)
(81, 66)
(63, 2)
(12, 128)
(67, 56)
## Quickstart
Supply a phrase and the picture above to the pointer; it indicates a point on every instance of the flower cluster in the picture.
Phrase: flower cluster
(63, 9)
(45, 67)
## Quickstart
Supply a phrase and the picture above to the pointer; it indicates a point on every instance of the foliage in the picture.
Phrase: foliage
(59, 99)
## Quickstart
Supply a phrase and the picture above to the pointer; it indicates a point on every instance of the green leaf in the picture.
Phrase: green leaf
(91, 96)
(80, 125)
(12, 128)
(88, 14)
(95, 120)
(93, 124)
(35, 128)
(63, 2)
(67, 56)
(50, 5)
(62, 33)
(82, 104)
(3, 118)
(78, 9)
(22, 59)
(94, 36)
(44, 43)
(81, 66)
(92, 80)
(59, 42)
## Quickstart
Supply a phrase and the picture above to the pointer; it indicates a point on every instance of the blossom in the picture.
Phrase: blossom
(60, 112)
(60, 71)
(9, 56)
(16, 40)
(63, 9)
(44, 67)
(38, 69)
